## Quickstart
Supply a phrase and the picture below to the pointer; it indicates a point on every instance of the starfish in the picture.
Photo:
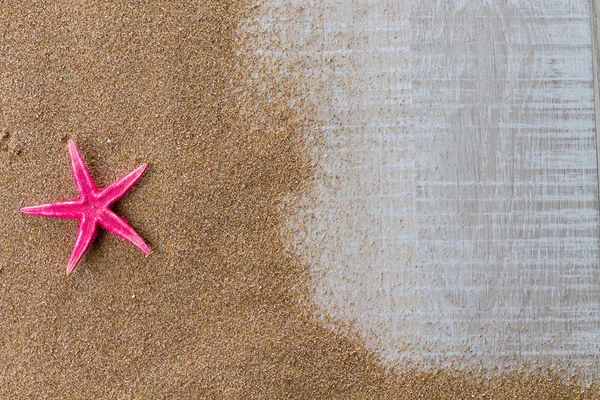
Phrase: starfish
(92, 208)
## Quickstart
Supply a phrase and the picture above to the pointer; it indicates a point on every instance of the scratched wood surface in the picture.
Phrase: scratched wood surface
(457, 216)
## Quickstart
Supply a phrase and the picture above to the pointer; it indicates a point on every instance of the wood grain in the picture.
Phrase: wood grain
(464, 220)
(595, 21)
(510, 179)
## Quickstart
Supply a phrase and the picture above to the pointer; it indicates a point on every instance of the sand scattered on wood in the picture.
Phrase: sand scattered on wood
(221, 308)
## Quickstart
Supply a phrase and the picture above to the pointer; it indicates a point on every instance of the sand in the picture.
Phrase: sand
(221, 309)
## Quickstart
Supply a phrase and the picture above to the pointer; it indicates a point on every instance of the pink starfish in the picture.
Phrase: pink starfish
(92, 207)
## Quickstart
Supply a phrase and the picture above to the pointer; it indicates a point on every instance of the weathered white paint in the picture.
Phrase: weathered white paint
(464, 220)
(595, 22)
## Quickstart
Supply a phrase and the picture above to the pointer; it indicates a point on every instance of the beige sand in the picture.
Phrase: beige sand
(220, 309)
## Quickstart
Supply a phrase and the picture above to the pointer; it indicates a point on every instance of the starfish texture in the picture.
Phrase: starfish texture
(92, 208)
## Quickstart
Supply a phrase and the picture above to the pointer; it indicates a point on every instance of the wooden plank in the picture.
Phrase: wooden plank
(595, 20)
(464, 224)
(507, 179)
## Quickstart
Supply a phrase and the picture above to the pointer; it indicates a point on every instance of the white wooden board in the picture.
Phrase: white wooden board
(464, 224)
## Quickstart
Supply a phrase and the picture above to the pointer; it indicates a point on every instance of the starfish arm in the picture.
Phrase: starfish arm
(81, 174)
(119, 188)
(118, 226)
(65, 209)
(85, 236)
